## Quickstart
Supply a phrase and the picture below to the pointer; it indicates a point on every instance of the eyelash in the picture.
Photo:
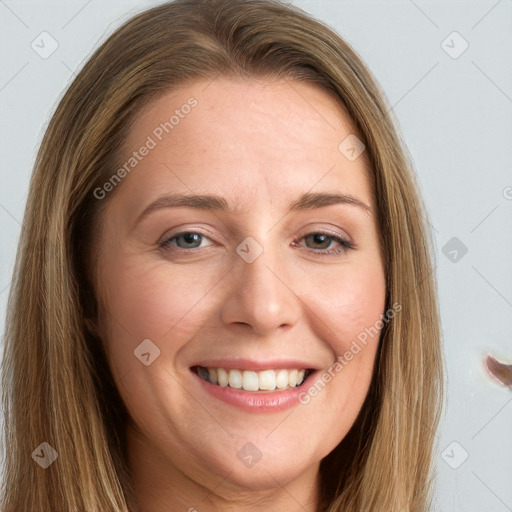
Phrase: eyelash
(345, 245)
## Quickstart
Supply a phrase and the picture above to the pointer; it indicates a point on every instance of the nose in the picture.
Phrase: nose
(261, 296)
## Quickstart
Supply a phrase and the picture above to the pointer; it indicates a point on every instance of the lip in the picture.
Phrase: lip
(254, 401)
(251, 364)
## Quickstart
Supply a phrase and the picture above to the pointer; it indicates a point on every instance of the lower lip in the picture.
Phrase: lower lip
(252, 401)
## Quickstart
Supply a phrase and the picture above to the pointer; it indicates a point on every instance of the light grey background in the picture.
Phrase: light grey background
(456, 119)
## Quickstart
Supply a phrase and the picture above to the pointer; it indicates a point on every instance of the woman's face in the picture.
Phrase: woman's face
(247, 285)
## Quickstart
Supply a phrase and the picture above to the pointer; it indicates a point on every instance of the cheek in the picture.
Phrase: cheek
(155, 302)
(349, 313)
(349, 301)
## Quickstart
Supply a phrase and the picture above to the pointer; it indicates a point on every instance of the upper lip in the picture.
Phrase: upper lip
(255, 365)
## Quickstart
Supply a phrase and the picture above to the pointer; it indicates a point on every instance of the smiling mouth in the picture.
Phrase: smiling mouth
(248, 380)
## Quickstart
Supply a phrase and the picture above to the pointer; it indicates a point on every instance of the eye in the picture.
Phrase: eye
(185, 240)
(323, 243)
(319, 242)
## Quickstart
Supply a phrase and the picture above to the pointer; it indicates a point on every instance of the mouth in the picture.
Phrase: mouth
(270, 380)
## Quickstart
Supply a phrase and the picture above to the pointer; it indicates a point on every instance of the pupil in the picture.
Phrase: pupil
(191, 238)
(320, 239)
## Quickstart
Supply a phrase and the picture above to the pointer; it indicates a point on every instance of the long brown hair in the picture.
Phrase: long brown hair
(57, 386)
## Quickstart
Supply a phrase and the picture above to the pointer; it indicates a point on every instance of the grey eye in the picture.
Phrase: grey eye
(189, 240)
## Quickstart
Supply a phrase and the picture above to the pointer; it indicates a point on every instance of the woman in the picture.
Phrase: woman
(223, 297)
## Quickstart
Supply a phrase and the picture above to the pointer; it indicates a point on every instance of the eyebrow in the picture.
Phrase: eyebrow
(307, 201)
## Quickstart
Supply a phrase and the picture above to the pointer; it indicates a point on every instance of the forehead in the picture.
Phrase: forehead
(247, 139)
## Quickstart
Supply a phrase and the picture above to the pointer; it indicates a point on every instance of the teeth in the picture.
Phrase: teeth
(250, 381)
(265, 380)
(212, 374)
(235, 379)
(282, 379)
(222, 377)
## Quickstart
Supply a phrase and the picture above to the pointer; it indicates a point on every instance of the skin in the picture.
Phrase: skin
(260, 144)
